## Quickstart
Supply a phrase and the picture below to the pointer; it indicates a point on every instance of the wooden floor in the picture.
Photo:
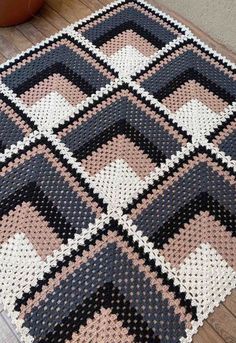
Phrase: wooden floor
(221, 325)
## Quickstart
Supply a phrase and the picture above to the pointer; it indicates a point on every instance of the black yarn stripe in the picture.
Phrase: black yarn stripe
(221, 127)
(120, 127)
(158, 110)
(18, 111)
(25, 193)
(64, 263)
(219, 161)
(168, 21)
(96, 197)
(190, 74)
(112, 226)
(50, 43)
(91, 53)
(61, 69)
(171, 172)
(175, 48)
(213, 156)
(78, 176)
(223, 215)
(33, 194)
(2, 147)
(202, 202)
(184, 302)
(129, 25)
(87, 108)
(19, 153)
(103, 297)
(212, 55)
(133, 91)
(156, 183)
(154, 62)
(159, 15)
(58, 268)
(25, 55)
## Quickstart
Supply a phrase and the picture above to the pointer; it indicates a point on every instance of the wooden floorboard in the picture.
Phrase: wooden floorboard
(70, 10)
(30, 32)
(207, 334)
(7, 48)
(2, 58)
(224, 323)
(53, 17)
(221, 325)
(230, 303)
(16, 37)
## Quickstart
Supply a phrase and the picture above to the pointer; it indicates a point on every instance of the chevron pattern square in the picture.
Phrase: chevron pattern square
(130, 32)
(196, 83)
(117, 181)
(120, 142)
(52, 80)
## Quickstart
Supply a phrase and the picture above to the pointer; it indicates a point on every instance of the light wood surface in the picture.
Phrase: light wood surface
(220, 327)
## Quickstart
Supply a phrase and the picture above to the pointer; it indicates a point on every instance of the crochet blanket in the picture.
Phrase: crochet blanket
(117, 186)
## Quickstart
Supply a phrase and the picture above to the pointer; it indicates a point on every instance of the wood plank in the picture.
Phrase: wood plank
(7, 48)
(53, 17)
(94, 5)
(16, 37)
(81, 10)
(230, 302)
(6, 334)
(43, 25)
(66, 11)
(62, 9)
(30, 31)
(2, 59)
(105, 2)
(206, 334)
(223, 323)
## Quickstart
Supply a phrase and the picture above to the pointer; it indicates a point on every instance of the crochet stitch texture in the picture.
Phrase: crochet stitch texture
(117, 181)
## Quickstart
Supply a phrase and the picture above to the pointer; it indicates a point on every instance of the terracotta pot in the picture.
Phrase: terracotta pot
(14, 12)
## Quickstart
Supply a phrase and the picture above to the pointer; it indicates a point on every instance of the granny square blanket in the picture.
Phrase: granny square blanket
(117, 181)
